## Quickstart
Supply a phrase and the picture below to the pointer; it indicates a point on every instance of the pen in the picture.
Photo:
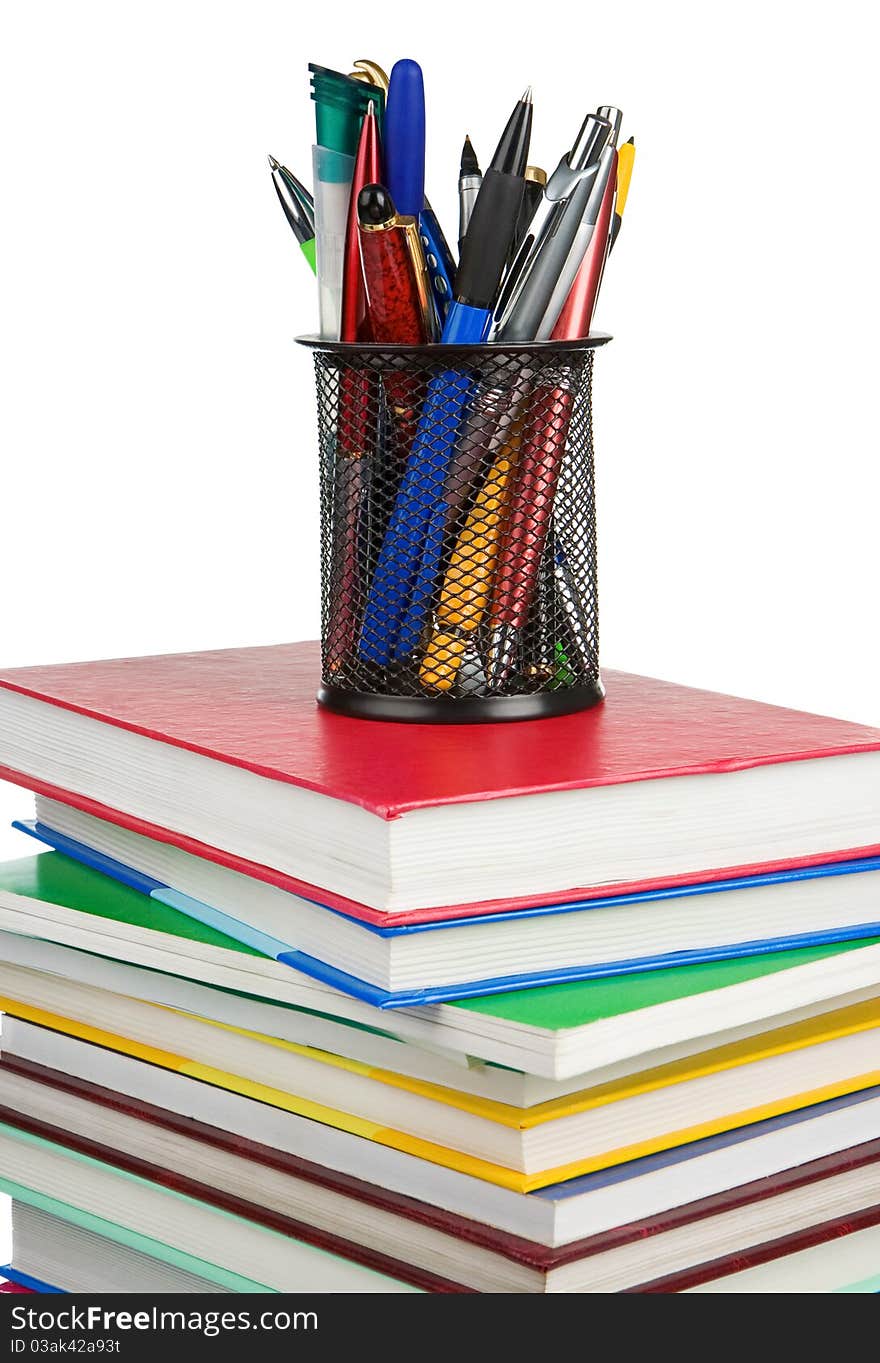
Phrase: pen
(395, 274)
(624, 175)
(301, 224)
(441, 266)
(405, 138)
(601, 198)
(398, 294)
(467, 585)
(574, 320)
(358, 400)
(531, 505)
(570, 597)
(340, 105)
(486, 245)
(354, 322)
(306, 198)
(492, 413)
(484, 254)
(349, 491)
(522, 311)
(414, 522)
(405, 166)
(469, 180)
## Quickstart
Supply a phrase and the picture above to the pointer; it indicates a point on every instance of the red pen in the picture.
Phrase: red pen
(355, 324)
(574, 321)
(531, 505)
(398, 289)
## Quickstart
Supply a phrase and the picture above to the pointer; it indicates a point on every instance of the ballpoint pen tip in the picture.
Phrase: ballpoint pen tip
(276, 165)
(527, 95)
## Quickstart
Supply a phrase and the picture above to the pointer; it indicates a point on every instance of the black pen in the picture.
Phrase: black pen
(470, 177)
(486, 246)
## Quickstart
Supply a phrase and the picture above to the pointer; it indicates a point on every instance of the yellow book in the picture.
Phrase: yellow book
(823, 1031)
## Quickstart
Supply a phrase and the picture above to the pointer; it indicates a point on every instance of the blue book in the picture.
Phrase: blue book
(439, 962)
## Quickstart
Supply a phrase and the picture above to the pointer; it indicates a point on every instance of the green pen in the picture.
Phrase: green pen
(295, 211)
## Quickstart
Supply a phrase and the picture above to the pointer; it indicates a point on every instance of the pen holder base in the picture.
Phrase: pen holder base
(462, 710)
(458, 531)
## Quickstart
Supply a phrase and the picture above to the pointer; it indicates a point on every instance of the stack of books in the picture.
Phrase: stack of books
(297, 1002)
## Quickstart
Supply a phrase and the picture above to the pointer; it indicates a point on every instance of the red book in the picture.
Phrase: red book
(227, 755)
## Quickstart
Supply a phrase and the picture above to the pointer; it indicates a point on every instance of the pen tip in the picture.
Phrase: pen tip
(631, 141)
(469, 163)
(527, 95)
(276, 165)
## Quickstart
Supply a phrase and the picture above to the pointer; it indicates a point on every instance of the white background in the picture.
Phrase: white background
(158, 483)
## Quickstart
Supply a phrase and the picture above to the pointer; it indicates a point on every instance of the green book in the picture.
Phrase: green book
(552, 1030)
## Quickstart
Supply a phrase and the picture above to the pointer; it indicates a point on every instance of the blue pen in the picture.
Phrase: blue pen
(410, 558)
(404, 144)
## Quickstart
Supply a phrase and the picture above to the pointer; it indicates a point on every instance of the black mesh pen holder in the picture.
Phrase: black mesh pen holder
(458, 531)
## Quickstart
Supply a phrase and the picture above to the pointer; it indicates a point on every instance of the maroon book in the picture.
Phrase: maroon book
(537, 1257)
(763, 1254)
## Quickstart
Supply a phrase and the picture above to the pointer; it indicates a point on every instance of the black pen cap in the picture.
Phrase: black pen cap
(375, 206)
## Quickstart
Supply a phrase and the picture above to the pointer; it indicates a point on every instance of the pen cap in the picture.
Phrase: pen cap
(615, 117)
(354, 324)
(405, 138)
(595, 132)
(340, 105)
(395, 275)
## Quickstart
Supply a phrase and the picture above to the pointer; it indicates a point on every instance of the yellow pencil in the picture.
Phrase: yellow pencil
(626, 157)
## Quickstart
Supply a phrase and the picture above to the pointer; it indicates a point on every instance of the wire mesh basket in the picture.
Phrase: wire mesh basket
(458, 531)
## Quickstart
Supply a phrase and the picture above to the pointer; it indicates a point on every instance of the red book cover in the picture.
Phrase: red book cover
(763, 1254)
(255, 708)
(219, 1197)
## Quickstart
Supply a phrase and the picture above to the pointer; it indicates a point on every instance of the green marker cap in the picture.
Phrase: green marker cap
(340, 105)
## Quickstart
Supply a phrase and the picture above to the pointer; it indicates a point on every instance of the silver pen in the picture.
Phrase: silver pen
(578, 249)
(522, 311)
